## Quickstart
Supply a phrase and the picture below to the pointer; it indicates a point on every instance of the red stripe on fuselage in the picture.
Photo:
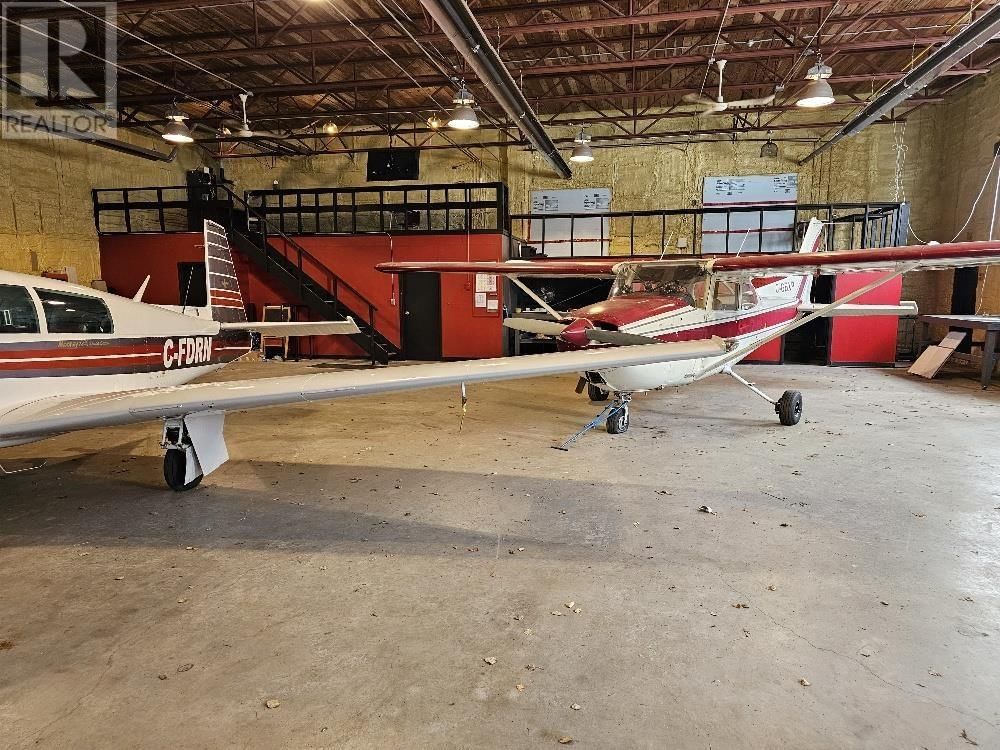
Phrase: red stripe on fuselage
(740, 326)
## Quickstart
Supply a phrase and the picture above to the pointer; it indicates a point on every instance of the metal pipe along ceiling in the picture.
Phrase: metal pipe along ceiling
(965, 42)
(464, 32)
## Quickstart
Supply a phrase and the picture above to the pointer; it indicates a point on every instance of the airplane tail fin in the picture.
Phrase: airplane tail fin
(224, 296)
(810, 244)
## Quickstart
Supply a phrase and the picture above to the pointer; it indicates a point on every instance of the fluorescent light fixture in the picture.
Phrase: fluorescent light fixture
(582, 153)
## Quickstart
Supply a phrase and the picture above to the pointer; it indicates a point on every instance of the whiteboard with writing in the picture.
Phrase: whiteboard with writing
(581, 235)
(769, 231)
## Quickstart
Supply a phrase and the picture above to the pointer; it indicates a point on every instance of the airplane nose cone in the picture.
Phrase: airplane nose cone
(575, 334)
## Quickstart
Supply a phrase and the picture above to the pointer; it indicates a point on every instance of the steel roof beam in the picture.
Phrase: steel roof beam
(980, 31)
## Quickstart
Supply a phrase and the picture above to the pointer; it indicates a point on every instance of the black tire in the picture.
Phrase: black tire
(617, 423)
(789, 408)
(175, 469)
(596, 393)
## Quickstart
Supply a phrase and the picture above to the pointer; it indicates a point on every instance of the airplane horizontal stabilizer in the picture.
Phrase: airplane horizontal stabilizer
(305, 328)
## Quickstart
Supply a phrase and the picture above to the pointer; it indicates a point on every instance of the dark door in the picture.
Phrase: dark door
(421, 293)
(192, 289)
(963, 298)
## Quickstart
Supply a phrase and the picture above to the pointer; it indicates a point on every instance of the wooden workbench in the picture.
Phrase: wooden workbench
(988, 323)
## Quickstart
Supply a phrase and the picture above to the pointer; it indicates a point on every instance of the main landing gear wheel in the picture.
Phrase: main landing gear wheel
(617, 423)
(597, 393)
(789, 408)
(175, 470)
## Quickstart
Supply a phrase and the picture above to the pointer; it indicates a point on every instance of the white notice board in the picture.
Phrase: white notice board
(589, 236)
(770, 232)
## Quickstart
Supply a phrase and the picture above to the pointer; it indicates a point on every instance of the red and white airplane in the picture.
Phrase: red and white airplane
(73, 358)
(739, 302)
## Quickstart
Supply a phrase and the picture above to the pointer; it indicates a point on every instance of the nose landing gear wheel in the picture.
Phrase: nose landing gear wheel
(175, 470)
(789, 408)
(597, 394)
(617, 423)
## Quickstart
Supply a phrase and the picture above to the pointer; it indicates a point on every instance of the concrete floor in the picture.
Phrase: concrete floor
(358, 562)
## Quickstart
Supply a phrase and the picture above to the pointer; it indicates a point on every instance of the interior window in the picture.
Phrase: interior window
(75, 313)
(17, 311)
(726, 295)
(748, 297)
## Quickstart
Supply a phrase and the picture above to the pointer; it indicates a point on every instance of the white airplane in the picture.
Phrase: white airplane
(738, 302)
(72, 358)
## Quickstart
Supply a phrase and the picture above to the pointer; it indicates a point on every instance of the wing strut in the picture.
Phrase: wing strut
(544, 305)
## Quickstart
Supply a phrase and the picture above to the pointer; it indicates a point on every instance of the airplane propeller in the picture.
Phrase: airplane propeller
(539, 327)
(618, 338)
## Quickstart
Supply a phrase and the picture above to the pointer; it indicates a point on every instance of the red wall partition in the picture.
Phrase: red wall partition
(466, 331)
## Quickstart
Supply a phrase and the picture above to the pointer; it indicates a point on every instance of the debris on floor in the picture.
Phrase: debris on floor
(272, 703)
(706, 509)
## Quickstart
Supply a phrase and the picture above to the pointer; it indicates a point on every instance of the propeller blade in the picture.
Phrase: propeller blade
(540, 327)
(619, 337)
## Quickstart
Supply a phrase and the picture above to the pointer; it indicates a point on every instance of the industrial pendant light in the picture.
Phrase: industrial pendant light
(770, 149)
(464, 117)
(582, 153)
(176, 131)
(817, 92)
(331, 128)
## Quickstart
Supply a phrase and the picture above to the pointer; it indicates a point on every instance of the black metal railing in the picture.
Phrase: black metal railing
(184, 209)
(440, 208)
(731, 229)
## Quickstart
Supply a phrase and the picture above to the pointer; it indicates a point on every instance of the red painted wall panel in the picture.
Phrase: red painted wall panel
(865, 340)
(466, 332)
(770, 353)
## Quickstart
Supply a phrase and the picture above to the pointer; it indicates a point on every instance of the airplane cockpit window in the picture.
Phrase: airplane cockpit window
(727, 295)
(75, 313)
(17, 311)
(748, 297)
(686, 282)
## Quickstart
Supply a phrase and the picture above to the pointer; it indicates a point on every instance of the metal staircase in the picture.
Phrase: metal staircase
(303, 275)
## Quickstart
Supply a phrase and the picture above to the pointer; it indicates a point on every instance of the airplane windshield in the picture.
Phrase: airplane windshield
(686, 282)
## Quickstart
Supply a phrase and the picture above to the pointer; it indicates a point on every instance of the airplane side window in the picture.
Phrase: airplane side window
(17, 311)
(748, 297)
(75, 313)
(726, 295)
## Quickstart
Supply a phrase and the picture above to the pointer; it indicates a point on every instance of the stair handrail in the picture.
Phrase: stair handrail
(337, 281)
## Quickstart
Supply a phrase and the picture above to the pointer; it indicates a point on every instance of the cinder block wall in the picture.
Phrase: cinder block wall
(46, 211)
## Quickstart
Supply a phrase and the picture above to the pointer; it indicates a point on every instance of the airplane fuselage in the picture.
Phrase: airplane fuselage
(756, 311)
(110, 344)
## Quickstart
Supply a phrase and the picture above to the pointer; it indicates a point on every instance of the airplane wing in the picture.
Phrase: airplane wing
(60, 414)
(596, 267)
(303, 328)
(914, 257)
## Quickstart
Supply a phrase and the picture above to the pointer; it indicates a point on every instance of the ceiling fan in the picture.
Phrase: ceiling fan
(719, 104)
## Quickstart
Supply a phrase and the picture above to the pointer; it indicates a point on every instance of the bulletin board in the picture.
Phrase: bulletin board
(577, 236)
(486, 295)
(750, 232)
